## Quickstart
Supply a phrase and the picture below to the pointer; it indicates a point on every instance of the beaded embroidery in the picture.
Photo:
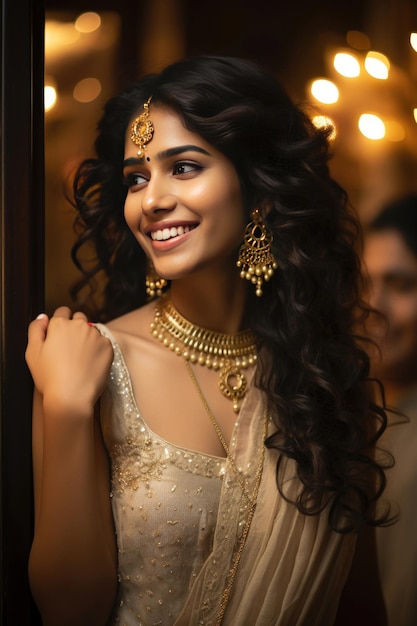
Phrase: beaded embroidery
(186, 511)
(143, 455)
(165, 506)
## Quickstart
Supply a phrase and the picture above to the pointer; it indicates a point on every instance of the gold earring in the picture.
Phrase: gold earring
(154, 283)
(255, 257)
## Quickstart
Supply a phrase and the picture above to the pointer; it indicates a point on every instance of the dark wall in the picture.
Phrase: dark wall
(21, 286)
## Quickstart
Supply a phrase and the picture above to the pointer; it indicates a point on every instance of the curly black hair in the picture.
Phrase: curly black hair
(311, 365)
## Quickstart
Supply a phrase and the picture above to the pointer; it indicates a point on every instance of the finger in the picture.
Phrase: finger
(37, 329)
(63, 311)
(78, 315)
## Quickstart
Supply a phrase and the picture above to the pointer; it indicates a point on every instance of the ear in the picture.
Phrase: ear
(265, 207)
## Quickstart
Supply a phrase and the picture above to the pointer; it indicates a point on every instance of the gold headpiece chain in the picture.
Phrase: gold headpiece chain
(141, 129)
(227, 353)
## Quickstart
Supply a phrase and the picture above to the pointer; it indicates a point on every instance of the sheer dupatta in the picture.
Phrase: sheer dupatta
(292, 567)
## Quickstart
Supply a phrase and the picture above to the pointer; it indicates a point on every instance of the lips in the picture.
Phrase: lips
(164, 234)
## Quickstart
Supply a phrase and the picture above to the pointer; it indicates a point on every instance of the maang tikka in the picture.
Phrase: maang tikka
(255, 257)
(141, 129)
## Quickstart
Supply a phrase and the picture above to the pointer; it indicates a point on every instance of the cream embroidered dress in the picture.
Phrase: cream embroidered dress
(179, 517)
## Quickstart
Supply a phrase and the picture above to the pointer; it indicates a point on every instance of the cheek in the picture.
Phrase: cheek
(130, 214)
(132, 218)
(234, 207)
(404, 311)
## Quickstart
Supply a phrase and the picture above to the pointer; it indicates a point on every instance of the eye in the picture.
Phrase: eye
(404, 284)
(182, 168)
(135, 179)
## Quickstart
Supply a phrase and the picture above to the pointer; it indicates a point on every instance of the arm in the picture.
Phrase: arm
(72, 566)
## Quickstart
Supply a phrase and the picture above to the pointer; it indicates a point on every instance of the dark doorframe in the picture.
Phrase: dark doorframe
(22, 285)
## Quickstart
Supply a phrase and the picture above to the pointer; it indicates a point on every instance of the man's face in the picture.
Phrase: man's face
(392, 274)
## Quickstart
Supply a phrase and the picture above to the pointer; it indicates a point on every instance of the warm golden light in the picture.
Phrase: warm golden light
(87, 90)
(59, 34)
(323, 121)
(377, 65)
(394, 131)
(358, 40)
(346, 64)
(415, 115)
(87, 22)
(371, 126)
(324, 91)
(413, 41)
(50, 97)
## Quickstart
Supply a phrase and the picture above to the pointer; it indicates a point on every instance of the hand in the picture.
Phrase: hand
(69, 360)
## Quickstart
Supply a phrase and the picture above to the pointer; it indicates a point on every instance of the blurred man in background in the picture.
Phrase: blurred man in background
(390, 259)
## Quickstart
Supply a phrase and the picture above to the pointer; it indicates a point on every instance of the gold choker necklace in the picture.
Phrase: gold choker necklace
(227, 353)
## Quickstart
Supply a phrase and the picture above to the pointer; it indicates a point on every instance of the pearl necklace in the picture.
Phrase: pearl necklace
(227, 353)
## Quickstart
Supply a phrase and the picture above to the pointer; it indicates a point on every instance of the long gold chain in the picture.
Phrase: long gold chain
(252, 499)
(229, 354)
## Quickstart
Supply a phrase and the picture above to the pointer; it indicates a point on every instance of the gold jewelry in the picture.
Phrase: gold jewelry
(141, 129)
(255, 256)
(227, 353)
(154, 283)
(252, 499)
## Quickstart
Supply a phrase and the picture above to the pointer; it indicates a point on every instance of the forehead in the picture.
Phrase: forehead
(169, 131)
(387, 250)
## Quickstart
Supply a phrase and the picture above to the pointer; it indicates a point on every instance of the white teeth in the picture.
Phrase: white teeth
(168, 233)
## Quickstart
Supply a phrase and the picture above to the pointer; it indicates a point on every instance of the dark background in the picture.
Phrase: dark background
(289, 37)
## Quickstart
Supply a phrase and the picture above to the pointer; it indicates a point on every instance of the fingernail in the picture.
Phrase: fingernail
(41, 316)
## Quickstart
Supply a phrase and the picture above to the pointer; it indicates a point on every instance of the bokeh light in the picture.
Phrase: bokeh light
(50, 97)
(371, 126)
(324, 91)
(323, 121)
(377, 65)
(88, 22)
(87, 90)
(346, 64)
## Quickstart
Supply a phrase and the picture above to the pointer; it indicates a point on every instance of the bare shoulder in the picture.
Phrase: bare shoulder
(132, 330)
(135, 323)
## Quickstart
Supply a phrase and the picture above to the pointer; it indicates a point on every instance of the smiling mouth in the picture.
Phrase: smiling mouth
(169, 233)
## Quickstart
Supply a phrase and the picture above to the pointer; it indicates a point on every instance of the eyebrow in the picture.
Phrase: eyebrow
(391, 275)
(166, 154)
(399, 273)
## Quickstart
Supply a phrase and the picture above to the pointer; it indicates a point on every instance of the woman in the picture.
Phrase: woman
(229, 413)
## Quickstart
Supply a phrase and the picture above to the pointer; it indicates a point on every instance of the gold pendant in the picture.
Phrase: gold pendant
(232, 384)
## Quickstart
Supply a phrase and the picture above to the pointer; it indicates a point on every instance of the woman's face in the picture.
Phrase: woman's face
(184, 202)
(392, 272)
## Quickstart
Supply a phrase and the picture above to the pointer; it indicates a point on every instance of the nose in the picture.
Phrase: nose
(377, 298)
(158, 196)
